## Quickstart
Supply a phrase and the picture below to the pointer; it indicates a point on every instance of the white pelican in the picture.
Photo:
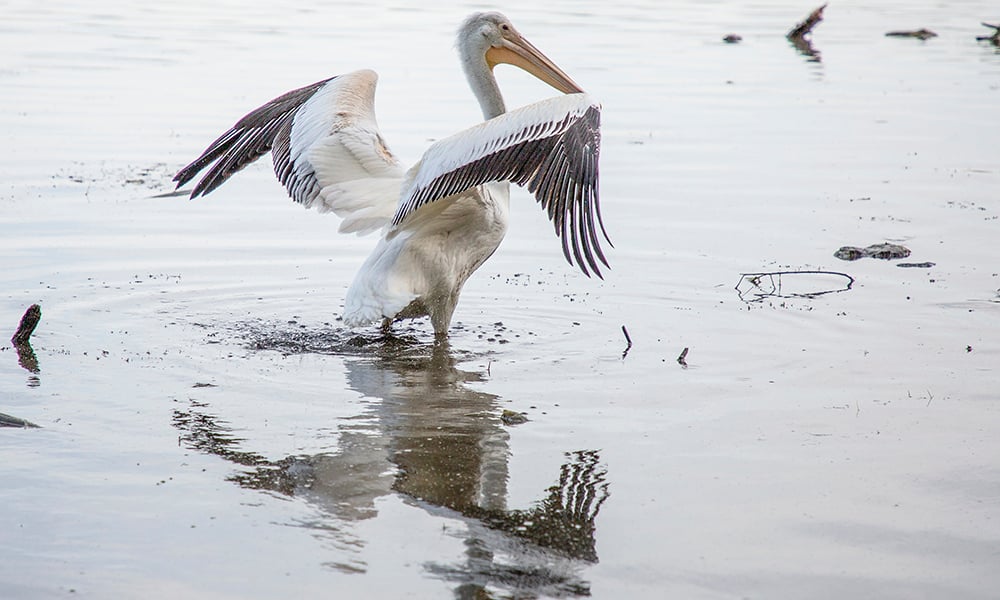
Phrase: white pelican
(441, 219)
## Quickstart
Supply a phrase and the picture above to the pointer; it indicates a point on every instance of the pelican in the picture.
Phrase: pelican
(441, 219)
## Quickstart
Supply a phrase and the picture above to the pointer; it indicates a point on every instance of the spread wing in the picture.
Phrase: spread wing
(552, 147)
(326, 147)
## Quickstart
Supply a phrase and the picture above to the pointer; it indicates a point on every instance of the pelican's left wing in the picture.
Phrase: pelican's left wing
(551, 146)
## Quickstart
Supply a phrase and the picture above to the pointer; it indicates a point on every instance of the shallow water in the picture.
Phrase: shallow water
(209, 430)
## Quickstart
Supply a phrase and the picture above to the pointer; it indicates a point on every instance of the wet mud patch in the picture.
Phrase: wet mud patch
(291, 337)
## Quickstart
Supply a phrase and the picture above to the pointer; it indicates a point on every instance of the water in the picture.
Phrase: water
(209, 430)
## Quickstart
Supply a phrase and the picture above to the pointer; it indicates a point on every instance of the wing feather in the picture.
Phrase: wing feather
(552, 147)
(249, 139)
(326, 148)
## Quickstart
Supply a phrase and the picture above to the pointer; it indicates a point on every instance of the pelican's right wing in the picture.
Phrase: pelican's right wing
(551, 146)
(326, 147)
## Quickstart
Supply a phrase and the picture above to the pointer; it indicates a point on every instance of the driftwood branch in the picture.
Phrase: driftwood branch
(994, 38)
(12, 421)
(28, 323)
(628, 340)
(21, 340)
(803, 28)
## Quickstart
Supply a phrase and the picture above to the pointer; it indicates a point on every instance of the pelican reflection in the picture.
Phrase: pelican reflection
(430, 437)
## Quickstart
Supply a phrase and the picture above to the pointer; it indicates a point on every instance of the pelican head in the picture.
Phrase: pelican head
(487, 39)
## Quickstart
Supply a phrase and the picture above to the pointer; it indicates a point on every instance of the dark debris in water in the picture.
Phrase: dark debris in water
(920, 34)
(510, 417)
(27, 325)
(884, 251)
(151, 177)
(993, 38)
(290, 337)
(682, 359)
(494, 333)
(12, 421)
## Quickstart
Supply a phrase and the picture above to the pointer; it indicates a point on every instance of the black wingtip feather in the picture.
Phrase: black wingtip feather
(251, 137)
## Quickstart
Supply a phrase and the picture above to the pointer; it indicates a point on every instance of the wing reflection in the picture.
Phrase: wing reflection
(440, 443)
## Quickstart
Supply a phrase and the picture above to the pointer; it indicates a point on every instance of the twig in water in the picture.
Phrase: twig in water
(756, 290)
(993, 39)
(799, 35)
(929, 397)
(920, 34)
(682, 359)
(803, 28)
(627, 339)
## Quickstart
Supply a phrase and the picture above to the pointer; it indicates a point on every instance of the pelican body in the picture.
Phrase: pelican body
(444, 217)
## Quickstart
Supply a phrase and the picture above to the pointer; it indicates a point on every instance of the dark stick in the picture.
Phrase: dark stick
(803, 28)
(993, 39)
(627, 339)
(681, 360)
(28, 323)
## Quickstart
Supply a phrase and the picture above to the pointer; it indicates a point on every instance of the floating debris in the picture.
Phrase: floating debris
(884, 251)
(509, 417)
(21, 339)
(805, 27)
(682, 359)
(799, 35)
(10, 421)
(994, 38)
(919, 265)
(732, 38)
(920, 34)
(27, 326)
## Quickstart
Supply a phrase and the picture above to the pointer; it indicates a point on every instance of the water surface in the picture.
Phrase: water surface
(208, 429)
